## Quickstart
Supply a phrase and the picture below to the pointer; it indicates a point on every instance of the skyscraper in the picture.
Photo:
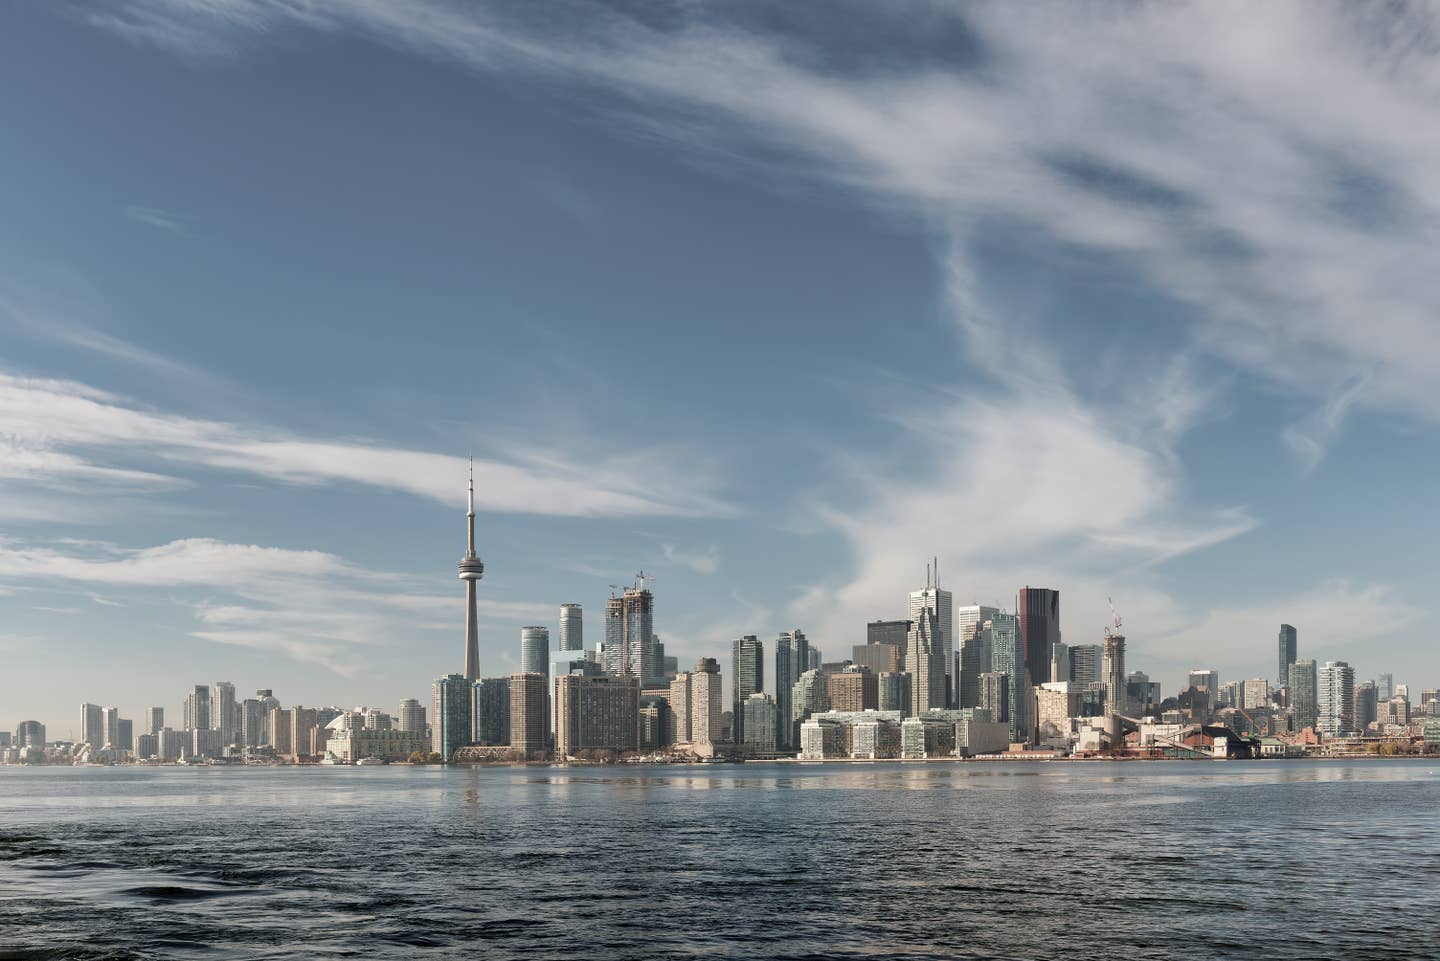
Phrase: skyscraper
(534, 650)
(30, 734)
(471, 570)
(92, 725)
(894, 693)
(110, 723)
(975, 654)
(450, 715)
(1384, 686)
(1085, 664)
(614, 652)
(197, 709)
(1039, 610)
(792, 658)
(638, 633)
(1335, 699)
(411, 716)
(940, 636)
(1008, 658)
(529, 723)
(1288, 647)
(853, 689)
(705, 701)
(490, 718)
(1366, 706)
(682, 694)
(596, 711)
(926, 660)
(1059, 662)
(762, 723)
(154, 720)
(1113, 668)
(748, 663)
(572, 628)
(223, 715)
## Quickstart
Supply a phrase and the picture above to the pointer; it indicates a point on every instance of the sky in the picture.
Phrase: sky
(772, 301)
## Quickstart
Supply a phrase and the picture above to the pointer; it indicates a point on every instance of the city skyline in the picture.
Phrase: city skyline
(668, 285)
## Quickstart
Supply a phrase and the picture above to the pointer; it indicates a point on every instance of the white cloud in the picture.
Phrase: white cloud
(155, 217)
(701, 562)
(55, 431)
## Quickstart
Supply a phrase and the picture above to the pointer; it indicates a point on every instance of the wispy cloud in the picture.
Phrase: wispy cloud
(57, 432)
(705, 561)
(155, 217)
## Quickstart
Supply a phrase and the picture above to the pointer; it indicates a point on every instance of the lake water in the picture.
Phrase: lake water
(1117, 861)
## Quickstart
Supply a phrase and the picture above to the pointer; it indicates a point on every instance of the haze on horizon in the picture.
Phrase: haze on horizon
(773, 301)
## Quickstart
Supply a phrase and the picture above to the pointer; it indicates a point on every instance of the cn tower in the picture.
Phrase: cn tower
(471, 570)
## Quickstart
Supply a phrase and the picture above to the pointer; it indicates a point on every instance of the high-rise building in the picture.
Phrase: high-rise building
(197, 709)
(572, 628)
(1113, 668)
(939, 643)
(792, 657)
(748, 664)
(1039, 612)
(110, 727)
(1210, 680)
(1085, 664)
(1335, 699)
(252, 722)
(975, 654)
(529, 723)
(638, 633)
(596, 711)
(705, 702)
(490, 721)
(895, 693)
(471, 570)
(613, 654)
(1255, 693)
(1288, 646)
(154, 720)
(304, 721)
(927, 660)
(682, 695)
(411, 716)
(853, 689)
(449, 715)
(1384, 686)
(1060, 662)
(762, 723)
(30, 734)
(810, 695)
(534, 650)
(281, 726)
(1008, 658)
(994, 694)
(1303, 685)
(223, 714)
(1366, 706)
(92, 725)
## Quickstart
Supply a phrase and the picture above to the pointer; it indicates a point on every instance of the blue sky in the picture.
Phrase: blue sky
(774, 303)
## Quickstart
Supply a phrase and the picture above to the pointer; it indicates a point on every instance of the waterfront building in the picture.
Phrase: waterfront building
(596, 711)
(977, 732)
(973, 636)
(1008, 658)
(1085, 660)
(534, 649)
(682, 693)
(154, 720)
(529, 725)
(1301, 694)
(305, 721)
(411, 716)
(348, 743)
(147, 746)
(197, 708)
(30, 734)
(1038, 611)
(748, 670)
(872, 735)
(281, 727)
(490, 717)
(1288, 648)
(792, 654)
(377, 720)
(930, 644)
(472, 569)
(809, 695)
(853, 689)
(1056, 702)
(1335, 699)
(895, 693)
(761, 724)
(450, 715)
(223, 711)
(92, 725)
(171, 745)
(206, 742)
(705, 703)
(252, 722)
(572, 627)
(125, 735)
(110, 727)
(823, 738)
(1113, 668)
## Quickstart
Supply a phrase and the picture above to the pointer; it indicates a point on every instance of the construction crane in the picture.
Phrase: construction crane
(616, 587)
(641, 578)
(1113, 629)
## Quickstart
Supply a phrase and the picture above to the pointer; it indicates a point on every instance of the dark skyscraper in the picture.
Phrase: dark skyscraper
(792, 658)
(1039, 610)
(1288, 645)
(471, 570)
(748, 662)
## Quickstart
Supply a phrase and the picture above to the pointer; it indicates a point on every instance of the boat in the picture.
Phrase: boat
(370, 761)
